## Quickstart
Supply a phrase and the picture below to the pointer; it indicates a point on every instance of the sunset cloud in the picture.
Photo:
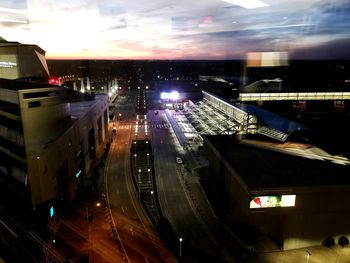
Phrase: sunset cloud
(158, 29)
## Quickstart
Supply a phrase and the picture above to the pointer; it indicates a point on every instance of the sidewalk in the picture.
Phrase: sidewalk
(84, 233)
(84, 240)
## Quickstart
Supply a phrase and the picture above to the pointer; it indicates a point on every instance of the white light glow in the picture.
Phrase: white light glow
(288, 200)
(247, 3)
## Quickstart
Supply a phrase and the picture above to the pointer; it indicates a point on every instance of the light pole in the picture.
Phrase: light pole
(180, 247)
(149, 174)
(135, 160)
(139, 179)
(147, 159)
(308, 255)
(152, 205)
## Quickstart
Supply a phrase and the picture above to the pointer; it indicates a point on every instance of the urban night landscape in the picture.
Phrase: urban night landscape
(174, 131)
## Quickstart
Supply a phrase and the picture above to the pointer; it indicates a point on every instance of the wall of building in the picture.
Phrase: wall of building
(90, 122)
(9, 63)
(22, 61)
(51, 171)
(309, 223)
(43, 121)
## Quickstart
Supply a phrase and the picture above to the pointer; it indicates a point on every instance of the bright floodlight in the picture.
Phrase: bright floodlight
(164, 95)
(174, 95)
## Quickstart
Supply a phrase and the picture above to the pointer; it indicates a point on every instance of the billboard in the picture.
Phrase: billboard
(268, 201)
(267, 59)
(169, 96)
(8, 66)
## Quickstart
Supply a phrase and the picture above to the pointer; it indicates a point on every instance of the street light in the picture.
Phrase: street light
(308, 255)
(149, 174)
(152, 202)
(139, 179)
(135, 146)
(180, 252)
(147, 158)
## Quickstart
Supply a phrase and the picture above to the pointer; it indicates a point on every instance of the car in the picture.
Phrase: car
(179, 160)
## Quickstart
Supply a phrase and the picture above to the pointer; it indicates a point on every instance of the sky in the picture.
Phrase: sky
(178, 29)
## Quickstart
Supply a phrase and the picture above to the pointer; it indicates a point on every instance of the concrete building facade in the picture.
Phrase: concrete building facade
(310, 191)
(48, 139)
(22, 61)
(50, 135)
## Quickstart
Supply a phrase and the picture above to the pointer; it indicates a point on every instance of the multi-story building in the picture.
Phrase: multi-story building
(291, 193)
(49, 136)
(22, 61)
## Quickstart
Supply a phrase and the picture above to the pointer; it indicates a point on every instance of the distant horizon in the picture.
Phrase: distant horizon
(162, 30)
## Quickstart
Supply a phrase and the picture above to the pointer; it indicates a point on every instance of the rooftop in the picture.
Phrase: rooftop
(264, 166)
(80, 108)
(21, 84)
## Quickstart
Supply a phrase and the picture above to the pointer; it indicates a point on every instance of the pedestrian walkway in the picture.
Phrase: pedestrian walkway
(84, 234)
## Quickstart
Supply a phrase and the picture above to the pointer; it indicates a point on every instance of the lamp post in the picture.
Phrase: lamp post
(308, 255)
(135, 160)
(180, 247)
(139, 179)
(147, 159)
(152, 205)
(149, 174)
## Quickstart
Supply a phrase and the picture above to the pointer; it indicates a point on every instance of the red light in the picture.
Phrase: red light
(54, 81)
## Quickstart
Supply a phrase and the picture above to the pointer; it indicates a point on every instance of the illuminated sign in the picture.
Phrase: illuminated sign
(268, 201)
(174, 95)
(77, 175)
(267, 59)
(7, 64)
(52, 211)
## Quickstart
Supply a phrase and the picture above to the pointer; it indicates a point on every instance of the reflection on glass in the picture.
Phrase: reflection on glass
(272, 201)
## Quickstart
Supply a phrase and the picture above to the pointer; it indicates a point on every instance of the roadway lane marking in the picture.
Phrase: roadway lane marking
(8, 228)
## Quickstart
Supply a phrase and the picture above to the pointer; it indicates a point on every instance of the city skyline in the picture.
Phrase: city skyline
(219, 171)
(208, 29)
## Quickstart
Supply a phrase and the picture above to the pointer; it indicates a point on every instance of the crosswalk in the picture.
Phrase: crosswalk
(129, 126)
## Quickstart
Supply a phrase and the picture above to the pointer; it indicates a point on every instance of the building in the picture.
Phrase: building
(50, 135)
(48, 138)
(20, 61)
(290, 193)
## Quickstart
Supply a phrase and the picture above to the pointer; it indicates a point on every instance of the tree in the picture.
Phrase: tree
(343, 241)
(328, 242)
